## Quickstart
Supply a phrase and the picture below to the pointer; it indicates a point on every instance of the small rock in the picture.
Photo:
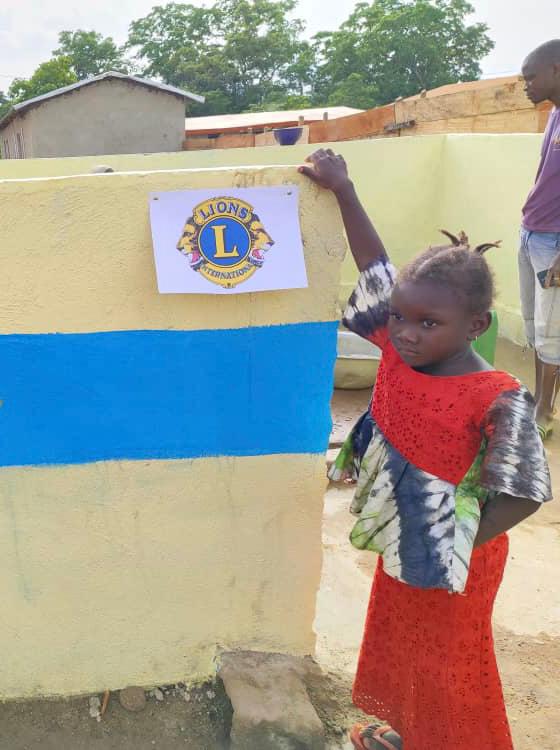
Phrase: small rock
(210, 694)
(133, 699)
(271, 707)
(95, 707)
(187, 697)
(158, 695)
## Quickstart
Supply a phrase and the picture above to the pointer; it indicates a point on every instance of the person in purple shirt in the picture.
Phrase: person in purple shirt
(539, 254)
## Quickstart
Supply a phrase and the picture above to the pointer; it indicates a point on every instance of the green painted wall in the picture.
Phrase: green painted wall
(485, 183)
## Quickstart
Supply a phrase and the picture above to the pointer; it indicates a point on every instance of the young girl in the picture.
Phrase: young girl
(447, 459)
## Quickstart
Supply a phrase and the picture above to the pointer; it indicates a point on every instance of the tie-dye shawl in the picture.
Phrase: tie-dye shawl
(431, 451)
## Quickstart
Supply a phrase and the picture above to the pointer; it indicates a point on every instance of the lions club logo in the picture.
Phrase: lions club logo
(225, 241)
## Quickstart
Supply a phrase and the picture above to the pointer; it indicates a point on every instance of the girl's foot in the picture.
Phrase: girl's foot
(545, 422)
(374, 737)
(545, 430)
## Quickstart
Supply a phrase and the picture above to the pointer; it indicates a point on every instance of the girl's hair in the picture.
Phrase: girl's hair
(457, 267)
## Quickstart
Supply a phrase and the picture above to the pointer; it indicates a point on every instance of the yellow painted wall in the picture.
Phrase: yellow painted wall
(398, 180)
(102, 581)
(123, 572)
(77, 256)
(135, 572)
(410, 186)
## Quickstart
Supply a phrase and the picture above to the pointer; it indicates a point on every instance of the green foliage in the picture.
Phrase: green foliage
(5, 104)
(238, 53)
(50, 75)
(393, 48)
(354, 91)
(81, 54)
(279, 101)
(250, 55)
(90, 53)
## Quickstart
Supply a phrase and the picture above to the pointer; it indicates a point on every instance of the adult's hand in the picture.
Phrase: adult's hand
(553, 275)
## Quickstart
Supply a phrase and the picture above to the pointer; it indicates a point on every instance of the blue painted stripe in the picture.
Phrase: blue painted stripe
(77, 398)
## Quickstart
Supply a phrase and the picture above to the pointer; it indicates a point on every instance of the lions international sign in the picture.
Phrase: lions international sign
(227, 241)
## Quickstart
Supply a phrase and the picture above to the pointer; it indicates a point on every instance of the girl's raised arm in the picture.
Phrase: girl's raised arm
(330, 171)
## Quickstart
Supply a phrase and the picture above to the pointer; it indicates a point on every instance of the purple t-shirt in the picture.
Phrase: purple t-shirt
(542, 210)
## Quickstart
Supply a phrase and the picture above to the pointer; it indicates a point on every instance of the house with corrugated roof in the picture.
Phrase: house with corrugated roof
(255, 128)
(112, 113)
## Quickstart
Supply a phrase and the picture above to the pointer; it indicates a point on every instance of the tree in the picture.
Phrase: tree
(392, 48)
(90, 54)
(237, 53)
(81, 54)
(5, 104)
(50, 75)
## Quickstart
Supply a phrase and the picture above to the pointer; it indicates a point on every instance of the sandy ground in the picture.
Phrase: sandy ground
(527, 614)
(527, 628)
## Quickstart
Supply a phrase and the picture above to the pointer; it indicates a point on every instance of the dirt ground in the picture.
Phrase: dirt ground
(527, 629)
(200, 723)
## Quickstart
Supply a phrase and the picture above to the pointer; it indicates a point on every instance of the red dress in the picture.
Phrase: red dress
(427, 665)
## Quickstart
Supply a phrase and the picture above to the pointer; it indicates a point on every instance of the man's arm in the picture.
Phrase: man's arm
(330, 172)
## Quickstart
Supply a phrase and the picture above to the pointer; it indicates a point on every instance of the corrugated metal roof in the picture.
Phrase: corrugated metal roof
(22, 106)
(221, 123)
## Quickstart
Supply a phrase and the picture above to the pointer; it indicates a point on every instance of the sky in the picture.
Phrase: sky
(29, 28)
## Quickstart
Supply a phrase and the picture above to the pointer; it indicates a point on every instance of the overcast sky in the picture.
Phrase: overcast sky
(29, 28)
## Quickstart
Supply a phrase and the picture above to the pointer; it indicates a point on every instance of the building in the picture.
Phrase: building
(111, 113)
(254, 128)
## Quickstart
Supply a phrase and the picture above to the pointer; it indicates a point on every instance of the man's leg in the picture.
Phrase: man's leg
(538, 378)
(538, 252)
(527, 285)
(546, 391)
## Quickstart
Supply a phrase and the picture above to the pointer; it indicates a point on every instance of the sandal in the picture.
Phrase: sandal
(545, 431)
(384, 737)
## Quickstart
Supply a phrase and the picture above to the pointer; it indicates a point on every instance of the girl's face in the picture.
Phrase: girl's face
(429, 323)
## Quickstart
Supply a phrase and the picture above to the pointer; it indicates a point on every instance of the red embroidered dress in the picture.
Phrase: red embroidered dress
(428, 455)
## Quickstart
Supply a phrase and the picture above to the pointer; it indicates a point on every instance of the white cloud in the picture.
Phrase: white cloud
(517, 27)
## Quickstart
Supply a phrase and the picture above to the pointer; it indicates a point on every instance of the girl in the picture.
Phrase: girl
(447, 459)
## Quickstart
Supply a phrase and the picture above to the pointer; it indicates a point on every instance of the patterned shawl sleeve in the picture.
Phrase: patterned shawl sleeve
(367, 313)
(515, 462)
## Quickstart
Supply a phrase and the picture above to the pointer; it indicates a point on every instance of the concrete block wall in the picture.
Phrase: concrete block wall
(410, 186)
(161, 456)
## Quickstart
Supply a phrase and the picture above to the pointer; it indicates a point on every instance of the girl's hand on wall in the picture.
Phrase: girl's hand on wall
(329, 170)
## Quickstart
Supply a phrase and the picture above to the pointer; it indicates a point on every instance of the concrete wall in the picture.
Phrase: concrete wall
(485, 183)
(108, 117)
(24, 126)
(161, 488)
(387, 173)
(410, 186)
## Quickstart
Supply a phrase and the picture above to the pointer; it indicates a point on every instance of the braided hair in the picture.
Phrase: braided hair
(457, 267)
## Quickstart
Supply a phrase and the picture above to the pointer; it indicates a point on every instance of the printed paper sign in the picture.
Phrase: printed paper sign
(227, 241)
